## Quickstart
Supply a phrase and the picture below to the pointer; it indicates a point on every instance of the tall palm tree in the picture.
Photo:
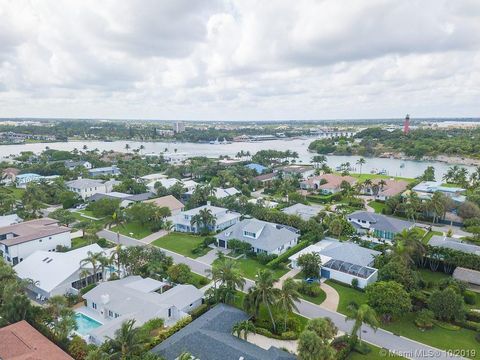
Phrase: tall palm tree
(361, 162)
(362, 314)
(226, 272)
(244, 327)
(94, 260)
(408, 245)
(84, 274)
(436, 205)
(115, 257)
(264, 293)
(104, 262)
(118, 220)
(204, 219)
(382, 183)
(287, 298)
(128, 342)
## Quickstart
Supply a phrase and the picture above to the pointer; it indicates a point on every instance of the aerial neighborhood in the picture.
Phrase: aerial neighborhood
(203, 258)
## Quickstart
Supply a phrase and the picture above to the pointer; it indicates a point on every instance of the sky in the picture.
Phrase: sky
(239, 60)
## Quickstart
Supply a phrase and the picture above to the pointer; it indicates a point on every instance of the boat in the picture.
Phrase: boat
(216, 142)
(382, 172)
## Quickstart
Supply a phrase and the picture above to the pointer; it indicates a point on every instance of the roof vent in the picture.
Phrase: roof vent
(49, 261)
(45, 259)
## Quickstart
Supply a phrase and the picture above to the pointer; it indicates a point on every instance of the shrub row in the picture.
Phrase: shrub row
(170, 331)
(284, 257)
(287, 335)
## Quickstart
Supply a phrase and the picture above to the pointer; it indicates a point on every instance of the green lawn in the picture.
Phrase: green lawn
(249, 268)
(363, 177)
(17, 192)
(79, 217)
(79, 242)
(317, 299)
(437, 337)
(198, 281)
(133, 229)
(376, 354)
(377, 206)
(434, 276)
(181, 243)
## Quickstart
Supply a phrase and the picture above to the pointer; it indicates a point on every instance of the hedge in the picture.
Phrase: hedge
(287, 335)
(284, 257)
(170, 331)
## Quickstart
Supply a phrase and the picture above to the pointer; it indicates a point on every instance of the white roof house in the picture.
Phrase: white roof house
(223, 219)
(6, 220)
(111, 303)
(221, 193)
(306, 212)
(55, 273)
(88, 187)
(261, 201)
(152, 177)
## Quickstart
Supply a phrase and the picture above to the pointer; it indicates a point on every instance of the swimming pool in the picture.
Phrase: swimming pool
(85, 324)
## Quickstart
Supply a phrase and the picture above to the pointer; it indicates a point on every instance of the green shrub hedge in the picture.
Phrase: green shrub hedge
(284, 257)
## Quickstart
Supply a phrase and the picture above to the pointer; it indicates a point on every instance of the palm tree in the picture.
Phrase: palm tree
(127, 146)
(436, 205)
(118, 220)
(104, 263)
(362, 314)
(408, 245)
(204, 219)
(128, 342)
(226, 272)
(84, 274)
(115, 257)
(361, 162)
(244, 327)
(382, 183)
(368, 184)
(287, 298)
(263, 293)
(94, 260)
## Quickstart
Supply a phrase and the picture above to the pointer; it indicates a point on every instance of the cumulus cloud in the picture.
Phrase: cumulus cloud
(239, 59)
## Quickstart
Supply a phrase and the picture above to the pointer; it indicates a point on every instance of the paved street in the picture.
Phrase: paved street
(381, 338)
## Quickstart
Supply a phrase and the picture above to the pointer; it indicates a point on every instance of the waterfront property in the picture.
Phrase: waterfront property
(224, 218)
(101, 171)
(259, 169)
(85, 188)
(210, 337)
(303, 171)
(454, 244)
(264, 237)
(170, 202)
(22, 180)
(342, 261)
(380, 226)
(57, 273)
(384, 189)
(18, 241)
(426, 189)
(113, 302)
(327, 183)
(306, 212)
(21, 341)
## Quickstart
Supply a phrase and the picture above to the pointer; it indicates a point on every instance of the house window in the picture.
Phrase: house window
(110, 313)
(170, 312)
(94, 305)
(250, 234)
(116, 315)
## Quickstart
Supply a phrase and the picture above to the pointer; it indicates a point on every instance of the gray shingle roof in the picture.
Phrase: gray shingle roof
(468, 275)
(454, 244)
(209, 338)
(271, 237)
(304, 211)
(348, 252)
(382, 222)
(84, 183)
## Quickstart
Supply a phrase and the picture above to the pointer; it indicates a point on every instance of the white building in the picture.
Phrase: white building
(22, 180)
(224, 218)
(56, 273)
(88, 187)
(342, 261)
(18, 241)
(221, 193)
(175, 158)
(7, 220)
(71, 164)
(111, 303)
(152, 177)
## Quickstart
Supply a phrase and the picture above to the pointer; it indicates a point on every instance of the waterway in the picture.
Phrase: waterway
(393, 167)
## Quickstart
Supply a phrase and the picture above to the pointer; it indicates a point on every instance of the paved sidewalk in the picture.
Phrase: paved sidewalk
(152, 237)
(209, 257)
(290, 274)
(332, 299)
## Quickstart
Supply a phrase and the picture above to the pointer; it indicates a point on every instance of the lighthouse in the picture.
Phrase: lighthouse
(406, 125)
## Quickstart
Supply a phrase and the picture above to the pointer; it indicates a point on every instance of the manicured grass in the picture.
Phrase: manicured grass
(429, 235)
(376, 354)
(317, 299)
(377, 206)
(433, 276)
(181, 243)
(79, 217)
(198, 281)
(79, 242)
(451, 185)
(250, 267)
(133, 229)
(436, 337)
(17, 192)
(347, 295)
(363, 177)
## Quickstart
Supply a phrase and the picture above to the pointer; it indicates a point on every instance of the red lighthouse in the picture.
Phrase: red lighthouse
(406, 125)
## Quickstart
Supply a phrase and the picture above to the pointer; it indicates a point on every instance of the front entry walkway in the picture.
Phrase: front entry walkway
(290, 274)
(332, 299)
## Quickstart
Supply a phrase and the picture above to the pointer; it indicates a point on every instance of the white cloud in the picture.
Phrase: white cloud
(239, 59)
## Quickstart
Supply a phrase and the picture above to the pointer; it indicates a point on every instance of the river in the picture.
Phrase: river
(393, 167)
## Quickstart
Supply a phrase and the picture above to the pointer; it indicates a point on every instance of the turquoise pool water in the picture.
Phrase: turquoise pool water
(85, 324)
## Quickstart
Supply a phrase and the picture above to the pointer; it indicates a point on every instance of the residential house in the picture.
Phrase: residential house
(306, 212)
(384, 189)
(259, 169)
(327, 183)
(263, 202)
(426, 189)
(265, 179)
(71, 164)
(104, 171)
(7, 220)
(454, 244)
(210, 337)
(342, 261)
(469, 276)
(125, 199)
(264, 237)
(152, 177)
(170, 202)
(301, 171)
(224, 218)
(9, 176)
(380, 226)
(18, 241)
(175, 158)
(221, 193)
(111, 303)
(59, 273)
(22, 180)
(21, 341)
(85, 188)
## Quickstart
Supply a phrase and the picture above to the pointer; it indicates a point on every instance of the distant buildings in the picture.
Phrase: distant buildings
(224, 218)
(169, 201)
(327, 183)
(71, 165)
(342, 261)
(426, 189)
(380, 226)
(18, 241)
(178, 127)
(111, 303)
(21, 341)
(17, 138)
(264, 237)
(23, 180)
(86, 188)
(305, 212)
(101, 171)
